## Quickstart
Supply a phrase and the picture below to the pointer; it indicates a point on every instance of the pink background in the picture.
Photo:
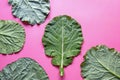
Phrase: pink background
(100, 20)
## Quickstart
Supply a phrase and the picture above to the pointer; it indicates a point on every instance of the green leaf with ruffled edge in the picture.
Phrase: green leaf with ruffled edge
(101, 63)
(12, 37)
(62, 40)
(23, 69)
(32, 11)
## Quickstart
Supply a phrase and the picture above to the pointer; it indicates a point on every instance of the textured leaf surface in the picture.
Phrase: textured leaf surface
(12, 37)
(62, 40)
(32, 11)
(23, 69)
(101, 63)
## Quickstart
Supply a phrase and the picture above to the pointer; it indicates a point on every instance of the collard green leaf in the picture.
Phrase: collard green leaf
(23, 69)
(12, 37)
(101, 63)
(32, 11)
(62, 40)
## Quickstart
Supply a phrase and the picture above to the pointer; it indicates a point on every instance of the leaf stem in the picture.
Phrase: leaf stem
(61, 71)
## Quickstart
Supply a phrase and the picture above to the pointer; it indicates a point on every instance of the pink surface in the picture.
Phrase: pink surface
(100, 20)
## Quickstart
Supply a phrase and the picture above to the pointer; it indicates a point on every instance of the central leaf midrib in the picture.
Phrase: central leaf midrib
(62, 52)
(107, 68)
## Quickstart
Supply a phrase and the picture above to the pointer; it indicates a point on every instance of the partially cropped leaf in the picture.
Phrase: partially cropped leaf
(32, 11)
(101, 63)
(12, 37)
(23, 69)
(62, 40)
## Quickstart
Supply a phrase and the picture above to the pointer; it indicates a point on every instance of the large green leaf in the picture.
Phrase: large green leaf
(101, 63)
(62, 40)
(32, 11)
(23, 69)
(12, 37)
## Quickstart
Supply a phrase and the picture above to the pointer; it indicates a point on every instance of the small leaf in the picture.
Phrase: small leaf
(32, 11)
(62, 41)
(101, 63)
(12, 37)
(23, 69)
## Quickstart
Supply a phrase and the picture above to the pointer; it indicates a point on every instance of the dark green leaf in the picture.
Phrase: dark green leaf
(12, 37)
(23, 69)
(101, 63)
(32, 11)
(62, 40)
